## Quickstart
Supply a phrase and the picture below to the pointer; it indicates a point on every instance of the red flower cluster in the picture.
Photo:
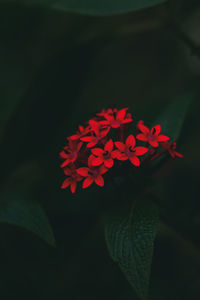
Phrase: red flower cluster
(94, 148)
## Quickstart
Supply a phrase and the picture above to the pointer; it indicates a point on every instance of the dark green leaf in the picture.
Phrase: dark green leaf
(93, 7)
(29, 215)
(17, 69)
(130, 242)
(173, 117)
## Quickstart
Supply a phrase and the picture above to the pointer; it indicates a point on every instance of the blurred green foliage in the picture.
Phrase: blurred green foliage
(57, 69)
(92, 7)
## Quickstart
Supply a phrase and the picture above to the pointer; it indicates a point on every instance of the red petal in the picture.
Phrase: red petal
(157, 129)
(135, 161)
(110, 111)
(87, 138)
(81, 128)
(79, 177)
(115, 124)
(63, 154)
(171, 152)
(72, 145)
(99, 180)
(79, 146)
(65, 163)
(97, 161)
(121, 114)
(93, 124)
(92, 144)
(162, 138)
(102, 170)
(109, 146)
(97, 151)
(109, 163)
(73, 187)
(120, 156)
(130, 141)
(104, 132)
(67, 171)
(66, 183)
(142, 137)
(83, 171)
(90, 160)
(87, 182)
(140, 150)
(144, 129)
(127, 121)
(179, 154)
(74, 137)
(115, 153)
(120, 146)
(104, 123)
(153, 143)
(109, 117)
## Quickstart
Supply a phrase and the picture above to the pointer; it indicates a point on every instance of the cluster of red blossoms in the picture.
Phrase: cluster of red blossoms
(92, 151)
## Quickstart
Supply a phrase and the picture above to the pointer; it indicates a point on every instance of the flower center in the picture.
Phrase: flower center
(73, 155)
(95, 173)
(106, 154)
(115, 123)
(97, 139)
(129, 151)
(73, 177)
(151, 137)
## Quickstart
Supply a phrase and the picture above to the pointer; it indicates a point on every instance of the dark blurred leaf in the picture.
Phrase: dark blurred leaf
(14, 82)
(19, 205)
(173, 116)
(93, 7)
(130, 241)
(29, 215)
(18, 64)
(182, 5)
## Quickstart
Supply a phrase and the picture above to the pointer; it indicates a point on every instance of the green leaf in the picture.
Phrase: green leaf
(29, 215)
(91, 7)
(18, 205)
(130, 242)
(173, 117)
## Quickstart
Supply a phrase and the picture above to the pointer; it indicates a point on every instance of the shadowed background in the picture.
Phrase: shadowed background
(57, 70)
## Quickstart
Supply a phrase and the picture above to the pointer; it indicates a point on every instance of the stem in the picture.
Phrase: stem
(157, 155)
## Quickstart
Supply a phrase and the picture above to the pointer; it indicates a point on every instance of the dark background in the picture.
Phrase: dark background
(56, 70)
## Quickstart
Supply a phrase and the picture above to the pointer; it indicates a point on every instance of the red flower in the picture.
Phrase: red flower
(72, 180)
(99, 131)
(72, 152)
(138, 124)
(103, 156)
(92, 174)
(153, 136)
(108, 111)
(129, 151)
(118, 118)
(80, 133)
(171, 148)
